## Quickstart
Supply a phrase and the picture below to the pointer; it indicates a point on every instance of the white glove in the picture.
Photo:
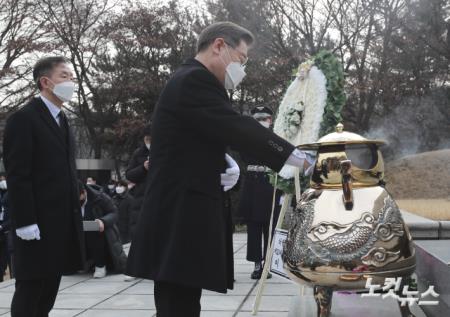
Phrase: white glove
(30, 232)
(231, 176)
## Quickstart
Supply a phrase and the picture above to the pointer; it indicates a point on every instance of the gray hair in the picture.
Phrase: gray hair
(232, 34)
(45, 66)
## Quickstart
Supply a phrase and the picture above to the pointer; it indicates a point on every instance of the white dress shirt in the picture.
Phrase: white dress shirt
(54, 110)
(83, 207)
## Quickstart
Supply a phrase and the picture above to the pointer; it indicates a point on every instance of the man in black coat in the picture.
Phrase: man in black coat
(183, 240)
(137, 173)
(124, 202)
(39, 156)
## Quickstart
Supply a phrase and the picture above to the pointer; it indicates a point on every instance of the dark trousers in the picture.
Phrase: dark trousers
(174, 300)
(34, 298)
(4, 255)
(96, 247)
(256, 233)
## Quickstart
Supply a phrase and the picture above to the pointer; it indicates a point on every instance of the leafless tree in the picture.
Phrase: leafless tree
(20, 38)
(74, 26)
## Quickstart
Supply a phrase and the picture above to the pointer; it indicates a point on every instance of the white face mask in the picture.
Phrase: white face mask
(120, 190)
(234, 73)
(64, 91)
(3, 185)
(111, 187)
(147, 145)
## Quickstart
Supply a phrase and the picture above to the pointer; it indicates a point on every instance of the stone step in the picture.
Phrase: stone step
(433, 259)
(424, 228)
(350, 305)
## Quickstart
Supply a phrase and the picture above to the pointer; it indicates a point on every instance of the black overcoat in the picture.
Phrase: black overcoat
(184, 234)
(102, 207)
(42, 189)
(137, 174)
(124, 203)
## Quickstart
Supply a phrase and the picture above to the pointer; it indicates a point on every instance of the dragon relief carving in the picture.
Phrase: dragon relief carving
(331, 242)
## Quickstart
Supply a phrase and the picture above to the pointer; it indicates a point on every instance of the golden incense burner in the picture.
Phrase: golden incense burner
(347, 227)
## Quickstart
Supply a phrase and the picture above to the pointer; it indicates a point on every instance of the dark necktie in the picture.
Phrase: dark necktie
(63, 125)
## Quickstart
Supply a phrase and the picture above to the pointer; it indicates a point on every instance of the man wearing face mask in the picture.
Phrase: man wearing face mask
(110, 188)
(137, 173)
(255, 204)
(39, 156)
(123, 201)
(183, 240)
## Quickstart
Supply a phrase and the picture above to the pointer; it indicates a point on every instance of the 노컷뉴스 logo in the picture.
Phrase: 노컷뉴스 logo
(391, 288)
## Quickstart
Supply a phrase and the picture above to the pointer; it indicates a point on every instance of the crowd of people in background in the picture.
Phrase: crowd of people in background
(5, 240)
(115, 205)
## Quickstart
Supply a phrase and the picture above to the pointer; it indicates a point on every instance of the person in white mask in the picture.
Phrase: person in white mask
(183, 239)
(110, 188)
(255, 203)
(44, 205)
(123, 201)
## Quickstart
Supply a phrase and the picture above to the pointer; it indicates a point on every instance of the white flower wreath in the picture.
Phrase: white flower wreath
(301, 111)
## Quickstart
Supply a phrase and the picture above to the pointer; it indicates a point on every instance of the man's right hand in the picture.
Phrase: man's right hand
(302, 159)
(231, 176)
(30, 232)
(146, 165)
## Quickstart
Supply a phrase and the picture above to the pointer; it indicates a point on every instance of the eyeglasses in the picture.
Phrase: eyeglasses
(244, 57)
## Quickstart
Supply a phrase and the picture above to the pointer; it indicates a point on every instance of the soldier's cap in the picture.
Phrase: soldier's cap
(261, 112)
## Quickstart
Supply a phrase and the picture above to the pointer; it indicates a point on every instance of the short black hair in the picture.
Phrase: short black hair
(147, 130)
(81, 187)
(232, 33)
(44, 67)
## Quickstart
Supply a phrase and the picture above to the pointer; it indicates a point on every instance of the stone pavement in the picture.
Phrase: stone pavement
(81, 295)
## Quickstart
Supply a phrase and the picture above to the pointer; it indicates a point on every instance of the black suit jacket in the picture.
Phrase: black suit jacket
(184, 234)
(42, 188)
(100, 206)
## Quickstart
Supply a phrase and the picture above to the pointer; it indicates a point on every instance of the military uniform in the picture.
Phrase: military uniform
(256, 202)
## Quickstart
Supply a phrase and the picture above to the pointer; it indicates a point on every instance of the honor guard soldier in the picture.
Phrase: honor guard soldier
(256, 201)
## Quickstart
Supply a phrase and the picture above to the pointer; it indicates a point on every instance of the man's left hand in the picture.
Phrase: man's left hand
(231, 176)
(101, 225)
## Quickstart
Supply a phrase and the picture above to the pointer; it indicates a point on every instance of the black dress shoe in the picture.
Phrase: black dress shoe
(256, 274)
